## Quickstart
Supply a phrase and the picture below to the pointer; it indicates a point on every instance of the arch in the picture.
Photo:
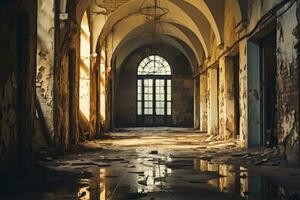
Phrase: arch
(236, 7)
(213, 10)
(126, 48)
(163, 28)
(154, 65)
(122, 29)
(81, 8)
(131, 9)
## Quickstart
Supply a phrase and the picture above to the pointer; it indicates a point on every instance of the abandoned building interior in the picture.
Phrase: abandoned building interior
(149, 99)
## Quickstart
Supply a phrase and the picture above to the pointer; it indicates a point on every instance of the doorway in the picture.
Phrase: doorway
(154, 92)
(236, 93)
(262, 90)
(268, 86)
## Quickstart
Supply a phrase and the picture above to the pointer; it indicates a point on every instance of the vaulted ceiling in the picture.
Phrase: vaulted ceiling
(190, 25)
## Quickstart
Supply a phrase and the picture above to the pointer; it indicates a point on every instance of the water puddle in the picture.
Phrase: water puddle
(247, 184)
(153, 176)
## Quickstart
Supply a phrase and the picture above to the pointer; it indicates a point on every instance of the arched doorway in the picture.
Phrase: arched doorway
(154, 92)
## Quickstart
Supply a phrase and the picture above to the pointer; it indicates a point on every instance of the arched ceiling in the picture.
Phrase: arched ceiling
(183, 12)
(126, 48)
(193, 22)
(164, 28)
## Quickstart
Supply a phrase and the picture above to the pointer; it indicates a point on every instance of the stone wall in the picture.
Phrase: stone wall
(288, 85)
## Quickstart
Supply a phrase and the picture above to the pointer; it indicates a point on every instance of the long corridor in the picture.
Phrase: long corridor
(166, 163)
(149, 99)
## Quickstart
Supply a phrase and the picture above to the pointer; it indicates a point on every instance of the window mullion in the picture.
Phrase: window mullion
(166, 97)
(143, 97)
(154, 97)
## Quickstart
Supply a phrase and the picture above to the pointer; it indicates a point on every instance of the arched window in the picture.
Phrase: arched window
(154, 92)
(154, 65)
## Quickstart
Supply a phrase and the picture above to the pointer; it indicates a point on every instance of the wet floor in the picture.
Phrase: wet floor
(142, 172)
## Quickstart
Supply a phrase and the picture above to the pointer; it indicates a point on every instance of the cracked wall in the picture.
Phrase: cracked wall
(243, 94)
(17, 83)
(45, 63)
(288, 86)
(203, 102)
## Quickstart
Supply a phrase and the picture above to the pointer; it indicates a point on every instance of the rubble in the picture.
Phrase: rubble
(133, 172)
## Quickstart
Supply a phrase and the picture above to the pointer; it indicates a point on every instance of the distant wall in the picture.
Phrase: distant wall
(182, 88)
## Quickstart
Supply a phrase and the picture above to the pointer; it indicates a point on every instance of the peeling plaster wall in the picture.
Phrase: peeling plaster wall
(288, 86)
(203, 102)
(58, 75)
(17, 83)
(45, 61)
(222, 99)
(212, 103)
(226, 99)
(243, 94)
(66, 79)
(182, 88)
(62, 136)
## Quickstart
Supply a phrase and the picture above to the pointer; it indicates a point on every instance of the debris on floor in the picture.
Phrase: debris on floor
(153, 165)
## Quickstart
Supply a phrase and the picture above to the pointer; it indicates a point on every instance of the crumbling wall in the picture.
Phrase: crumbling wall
(17, 83)
(213, 101)
(243, 94)
(226, 98)
(203, 102)
(61, 79)
(222, 99)
(66, 79)
(288, 86)
(45, 64)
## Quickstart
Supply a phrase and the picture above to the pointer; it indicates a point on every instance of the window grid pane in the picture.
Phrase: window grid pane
(139, 108)
(163, 97)
(154, 65)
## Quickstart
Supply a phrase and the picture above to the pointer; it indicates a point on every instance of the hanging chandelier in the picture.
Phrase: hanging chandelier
(152, 10)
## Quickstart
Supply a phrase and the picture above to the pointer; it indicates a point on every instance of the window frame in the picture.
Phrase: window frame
(167, 78)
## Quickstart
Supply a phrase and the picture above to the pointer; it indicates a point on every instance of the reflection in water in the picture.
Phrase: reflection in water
(94, 188)
(155, 174)
(84, 193)
(151, 177)
(229, 181)
(148, 175)
(102, 184)
(237, 180)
